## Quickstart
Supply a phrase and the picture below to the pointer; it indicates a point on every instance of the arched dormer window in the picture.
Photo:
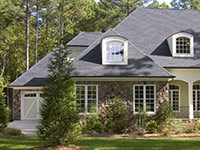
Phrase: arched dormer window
(181, 45)
(114, 51)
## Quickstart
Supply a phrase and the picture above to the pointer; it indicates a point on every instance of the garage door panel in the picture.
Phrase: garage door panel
(30, 108)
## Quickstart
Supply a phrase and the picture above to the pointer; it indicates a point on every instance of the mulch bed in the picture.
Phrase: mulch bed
(155, 135)
(71, 147)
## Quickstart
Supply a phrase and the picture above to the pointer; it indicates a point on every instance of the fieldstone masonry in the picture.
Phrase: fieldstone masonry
(106, 90)
(124, 89)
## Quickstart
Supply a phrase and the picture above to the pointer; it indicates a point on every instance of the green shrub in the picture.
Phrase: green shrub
(98, 127)
(152, 126)
(90, 120)
(163, 113)
(191, 127)
(11, 132)
(175, 125)
(92, 123)
(165, 131)
(141, 119)
(116, 117)
(198, 124)
(140, 131)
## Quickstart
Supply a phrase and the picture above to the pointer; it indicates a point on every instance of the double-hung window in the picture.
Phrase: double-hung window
(87, 98)
(144, 98)
(174, 94)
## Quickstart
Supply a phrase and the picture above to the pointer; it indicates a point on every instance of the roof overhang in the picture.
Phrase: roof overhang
(123, 78)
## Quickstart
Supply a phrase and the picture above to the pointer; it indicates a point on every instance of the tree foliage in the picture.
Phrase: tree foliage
(186, 4)
(156, 4)
(59, 123)
(4, 115)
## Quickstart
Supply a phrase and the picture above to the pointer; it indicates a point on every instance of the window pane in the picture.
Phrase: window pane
(115, 51)
(139, 98)
(80, 93)
(183, 45)
(198, 100)
(174, 97)
(30, 95)
(175, 100)
(194, 100)
(173, 87)
(92, 99)
(150, 98)
(196, 87)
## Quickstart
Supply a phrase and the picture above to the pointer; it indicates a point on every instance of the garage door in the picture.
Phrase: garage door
(30, 104)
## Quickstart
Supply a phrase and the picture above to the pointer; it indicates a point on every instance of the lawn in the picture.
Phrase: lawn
(22, 142)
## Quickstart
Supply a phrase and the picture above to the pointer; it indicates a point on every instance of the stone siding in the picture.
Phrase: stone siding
(106, 90)
(124, 89)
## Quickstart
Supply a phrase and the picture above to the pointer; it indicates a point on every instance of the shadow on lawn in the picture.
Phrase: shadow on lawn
(18, 142)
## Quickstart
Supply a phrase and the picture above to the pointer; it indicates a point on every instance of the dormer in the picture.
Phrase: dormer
(181, 45)
(114, 51)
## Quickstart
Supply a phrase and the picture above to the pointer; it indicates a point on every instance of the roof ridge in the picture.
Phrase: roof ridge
(74, 38)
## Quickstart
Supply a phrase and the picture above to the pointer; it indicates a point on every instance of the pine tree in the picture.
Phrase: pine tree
(111, 12)
(59, 123)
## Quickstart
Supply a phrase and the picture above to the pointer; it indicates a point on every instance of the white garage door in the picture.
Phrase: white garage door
(30, 104)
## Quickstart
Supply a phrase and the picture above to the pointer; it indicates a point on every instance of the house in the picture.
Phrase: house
(151, 56)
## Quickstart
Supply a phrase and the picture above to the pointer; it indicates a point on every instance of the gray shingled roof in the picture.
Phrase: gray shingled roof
(147, 30)
(89, 63)
(84, 39)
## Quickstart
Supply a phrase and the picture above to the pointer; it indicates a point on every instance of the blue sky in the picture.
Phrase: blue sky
(166, 1)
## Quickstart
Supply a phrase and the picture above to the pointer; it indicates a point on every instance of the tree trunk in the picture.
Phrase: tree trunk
(36, 33)
(27, 34)
(60, 26)
(128, 11)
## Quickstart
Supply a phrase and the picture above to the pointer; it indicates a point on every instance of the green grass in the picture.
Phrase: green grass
(22, 142)
(18, 142)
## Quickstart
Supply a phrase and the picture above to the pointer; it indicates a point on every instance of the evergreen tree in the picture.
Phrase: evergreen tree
(111, 12)
(59, 123)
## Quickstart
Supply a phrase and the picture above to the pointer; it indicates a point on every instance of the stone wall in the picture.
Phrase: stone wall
(124, 89)
(106, 90)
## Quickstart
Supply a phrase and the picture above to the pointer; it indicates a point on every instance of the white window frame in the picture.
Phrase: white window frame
(179, 96)
(86, 98)
(144, 100)
(104, 51)
(196, 110)
(37, 105)
(172, 44)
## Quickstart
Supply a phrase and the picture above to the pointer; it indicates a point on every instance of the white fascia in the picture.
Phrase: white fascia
(172, 44)
(114, 38)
